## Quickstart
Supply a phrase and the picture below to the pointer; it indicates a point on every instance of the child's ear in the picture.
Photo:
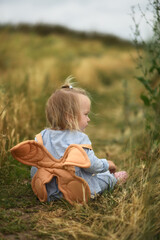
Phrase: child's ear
(69, 117)
(72, 121)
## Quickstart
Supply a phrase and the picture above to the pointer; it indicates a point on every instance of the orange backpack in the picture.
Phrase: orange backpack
(75, 189)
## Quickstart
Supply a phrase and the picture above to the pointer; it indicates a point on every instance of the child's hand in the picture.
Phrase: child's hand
(112, 167)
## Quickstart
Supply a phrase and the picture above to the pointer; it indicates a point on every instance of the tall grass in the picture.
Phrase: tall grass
(31, 68)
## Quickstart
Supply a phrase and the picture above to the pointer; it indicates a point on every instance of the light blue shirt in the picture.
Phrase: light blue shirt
(97, 175)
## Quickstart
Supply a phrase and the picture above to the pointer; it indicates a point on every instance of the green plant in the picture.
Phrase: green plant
(149, 65)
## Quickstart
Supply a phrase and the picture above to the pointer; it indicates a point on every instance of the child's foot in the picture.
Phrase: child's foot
(121, 177)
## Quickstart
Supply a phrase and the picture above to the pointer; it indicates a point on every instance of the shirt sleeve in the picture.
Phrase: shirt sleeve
(97, 165)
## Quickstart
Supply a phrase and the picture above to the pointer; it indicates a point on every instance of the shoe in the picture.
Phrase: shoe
(121, 177)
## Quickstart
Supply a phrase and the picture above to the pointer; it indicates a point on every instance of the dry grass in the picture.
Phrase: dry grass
(117, 131)
(124, 214)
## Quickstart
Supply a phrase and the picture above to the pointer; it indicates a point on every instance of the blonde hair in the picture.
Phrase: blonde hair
(63, 107)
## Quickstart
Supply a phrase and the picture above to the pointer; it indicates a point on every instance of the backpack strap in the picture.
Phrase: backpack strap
(39, 138)
(86, 146)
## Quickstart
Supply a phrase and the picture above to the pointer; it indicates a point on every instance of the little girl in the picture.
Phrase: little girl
(67, 111)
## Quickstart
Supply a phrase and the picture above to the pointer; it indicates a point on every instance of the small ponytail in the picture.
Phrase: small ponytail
(68, 82)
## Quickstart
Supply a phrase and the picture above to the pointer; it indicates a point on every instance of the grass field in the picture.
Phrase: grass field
(32, 66)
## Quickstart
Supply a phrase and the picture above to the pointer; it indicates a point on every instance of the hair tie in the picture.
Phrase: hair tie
(67, 86)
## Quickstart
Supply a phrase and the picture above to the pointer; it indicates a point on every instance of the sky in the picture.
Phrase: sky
(103, 16)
